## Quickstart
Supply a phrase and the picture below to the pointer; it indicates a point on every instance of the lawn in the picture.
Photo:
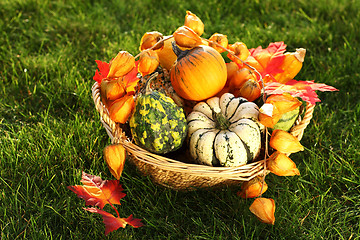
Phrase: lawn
(50, 131)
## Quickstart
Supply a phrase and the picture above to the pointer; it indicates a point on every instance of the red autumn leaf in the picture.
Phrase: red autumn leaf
(112, 223)
(268, 61)
(302, 89)
(131, 79)
(98, 192)
(102, 71)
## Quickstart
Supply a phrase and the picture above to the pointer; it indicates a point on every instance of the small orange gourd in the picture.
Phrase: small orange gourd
(240, 76)
(250, 90)
(198, 73)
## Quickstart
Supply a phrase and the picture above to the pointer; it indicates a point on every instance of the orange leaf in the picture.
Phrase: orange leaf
(115, 156)
(303, 89)
(113, 223)
(98, 192)
(268, 61)
(264, 210)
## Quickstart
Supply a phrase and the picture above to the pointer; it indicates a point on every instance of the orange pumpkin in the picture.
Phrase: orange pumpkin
(198, 73)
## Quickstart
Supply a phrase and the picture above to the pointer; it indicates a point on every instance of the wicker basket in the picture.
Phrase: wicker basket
(180, 175)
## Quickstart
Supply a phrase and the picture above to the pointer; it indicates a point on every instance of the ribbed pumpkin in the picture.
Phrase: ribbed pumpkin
(157, 123)
(198, 73)
(224, 131)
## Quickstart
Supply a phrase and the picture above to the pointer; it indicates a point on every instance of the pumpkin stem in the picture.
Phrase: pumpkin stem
(221, 121)
(178, 52)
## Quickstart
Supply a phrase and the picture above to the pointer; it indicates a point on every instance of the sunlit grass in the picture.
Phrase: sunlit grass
(50, 130)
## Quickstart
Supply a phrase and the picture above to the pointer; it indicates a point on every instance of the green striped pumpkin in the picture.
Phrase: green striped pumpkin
(224, 131)
(157, 123)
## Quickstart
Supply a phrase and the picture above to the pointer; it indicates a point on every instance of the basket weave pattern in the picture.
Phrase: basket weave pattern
(180, 175)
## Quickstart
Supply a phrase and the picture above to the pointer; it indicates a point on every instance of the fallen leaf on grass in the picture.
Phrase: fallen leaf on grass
(112, 223)
(98, 192)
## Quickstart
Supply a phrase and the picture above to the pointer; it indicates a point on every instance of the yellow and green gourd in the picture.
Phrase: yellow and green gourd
(157, 123)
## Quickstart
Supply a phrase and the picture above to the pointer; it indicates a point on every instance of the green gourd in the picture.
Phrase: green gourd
(157, 123)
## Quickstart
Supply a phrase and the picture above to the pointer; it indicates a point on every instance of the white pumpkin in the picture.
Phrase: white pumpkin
(224, 131)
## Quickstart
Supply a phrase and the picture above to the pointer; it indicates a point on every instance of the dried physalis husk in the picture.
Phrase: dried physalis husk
(264, 210)
(112, 89)
(284, 102)
(194, 22)
(122, 64)
(253, 188)
(284, 142)
(115, 156)
(148, 62)
(269, 115)
(120, 110)
(291, 65)
(150, 39)
(221, 40)
(240, 50)
(187, 38)
(275, 106)
(281, 165)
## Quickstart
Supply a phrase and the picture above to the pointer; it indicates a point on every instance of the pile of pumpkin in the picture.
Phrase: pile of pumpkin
(182, 93)
(188, 93)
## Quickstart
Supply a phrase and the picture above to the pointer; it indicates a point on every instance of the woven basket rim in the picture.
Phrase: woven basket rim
(242, 173)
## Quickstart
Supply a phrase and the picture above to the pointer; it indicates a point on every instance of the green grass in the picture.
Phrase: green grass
(50, 130)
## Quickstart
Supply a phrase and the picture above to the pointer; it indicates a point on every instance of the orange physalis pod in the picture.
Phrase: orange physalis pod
(291, 65)
(253, 188)
(284, 102)
(149, 39)
(115, 156)
(122, 64)
(250, 90)
(269, 115)
(187, 38)
(148, 62)
(120, 110)
(113, 89)
(220, 39)
(264, 210)
(281, 165)
(240, 50)
(194, 22)
(284, 142)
